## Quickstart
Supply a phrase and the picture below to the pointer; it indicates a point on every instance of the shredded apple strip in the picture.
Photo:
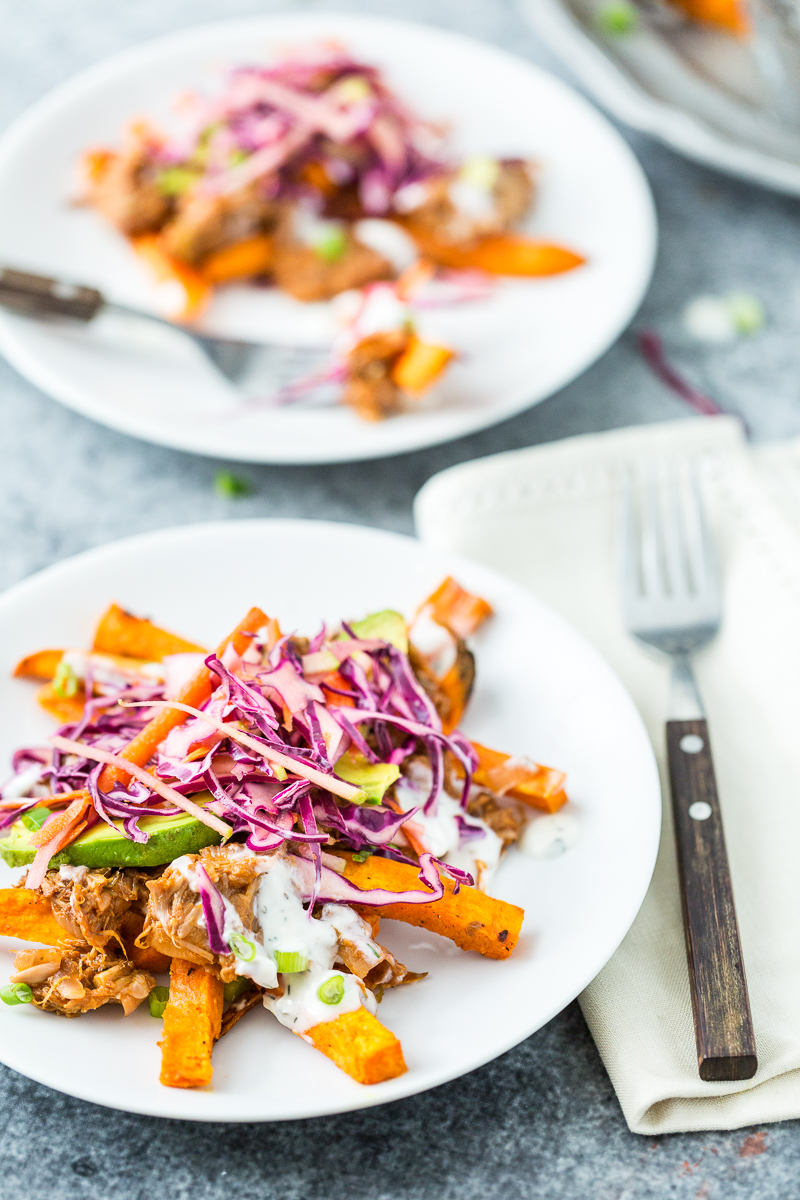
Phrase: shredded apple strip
(142, 748)
(331, 783)
(152, 781)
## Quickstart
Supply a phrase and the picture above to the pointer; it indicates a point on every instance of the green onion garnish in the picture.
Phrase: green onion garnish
(231, 991)
(16, 993)
(65, 681)
(332, 990)
(746, 312)
(289, 962)
(174, 181)
(362, 855)
(617, 18)
(231, 486)
(158, 1001)
(242, 947)
(331, 244)
(35, 819)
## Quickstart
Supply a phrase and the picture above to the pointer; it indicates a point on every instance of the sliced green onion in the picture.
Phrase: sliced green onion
(237, 156)
(332, 990)
(158, 1001)
(331, 243)
(746, 312)
(242, 947)
(174, 181)
(617, 18)
(35, 819)
(231, 991)
(362, 855)
(353, 89)
(16, 993)
(65, 681)
(231, 486)
(289, 962)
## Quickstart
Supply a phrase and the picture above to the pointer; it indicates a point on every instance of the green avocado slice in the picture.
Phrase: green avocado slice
(388, 626)
(102, 846)
(372, 778)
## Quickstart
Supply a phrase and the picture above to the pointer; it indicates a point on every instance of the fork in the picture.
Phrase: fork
(672, 602)
(39, 296)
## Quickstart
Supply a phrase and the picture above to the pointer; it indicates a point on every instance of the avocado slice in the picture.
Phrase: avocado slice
(102, 846)
(372, 778)
(389, 626)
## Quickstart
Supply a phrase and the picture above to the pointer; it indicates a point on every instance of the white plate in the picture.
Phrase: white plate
(541, 690)
(694, 87)
(533, 337)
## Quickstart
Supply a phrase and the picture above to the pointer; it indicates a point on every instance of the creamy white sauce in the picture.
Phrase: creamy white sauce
(106, 671)
(300, 1007)
(441, 832)
(22, 784)
(434, 642)
(472, 199)
(409, 197)
(352, 928)
(71, 874)
(550, 836)
(388, 240)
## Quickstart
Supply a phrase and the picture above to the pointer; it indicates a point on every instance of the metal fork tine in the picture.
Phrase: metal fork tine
(652, 576)
(674, 535)
(698, 542)
(631, 567)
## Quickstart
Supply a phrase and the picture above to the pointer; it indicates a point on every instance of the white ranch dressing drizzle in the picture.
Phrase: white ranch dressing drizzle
(550, 836)
(441, 832)
(22, 784)
(287, 927)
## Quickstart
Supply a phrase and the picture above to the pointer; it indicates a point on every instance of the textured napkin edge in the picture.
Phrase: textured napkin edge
(578, 467)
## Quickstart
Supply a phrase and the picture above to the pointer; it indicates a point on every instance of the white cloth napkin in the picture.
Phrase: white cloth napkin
(548, 517)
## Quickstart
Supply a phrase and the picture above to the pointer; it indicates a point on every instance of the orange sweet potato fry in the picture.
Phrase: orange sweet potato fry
(727, 14)
(119, 633)
(360, 1045)
(192, 1023)
(141, 749)
(27, 915)
(253, 256)
(420, 365)
(540, 787)
(456, 609)
(41, 665)
(504, 254)
(65, 709)
(167, 269)
(471, 919)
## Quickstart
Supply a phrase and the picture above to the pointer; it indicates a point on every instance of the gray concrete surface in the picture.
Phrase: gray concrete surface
(543, 1120)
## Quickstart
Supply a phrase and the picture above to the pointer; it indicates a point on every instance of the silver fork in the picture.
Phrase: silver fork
(672, 602)
(41, 297)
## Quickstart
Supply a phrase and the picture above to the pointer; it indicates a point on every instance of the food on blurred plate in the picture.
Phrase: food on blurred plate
(313, 176)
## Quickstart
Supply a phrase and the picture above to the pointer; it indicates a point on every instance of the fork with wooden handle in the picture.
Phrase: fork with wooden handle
(671, 601)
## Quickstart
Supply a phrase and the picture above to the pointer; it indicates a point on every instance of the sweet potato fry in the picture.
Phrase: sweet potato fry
(192, 1023)
(41, 665)
(471, 919)
(457, 609)
(141, 749)
(727, 14)
(360, 1045)
(195, 291)
(420, 365)
(540, 787)
(66, 709)
(253, 256)
(122, 634)
(28, 916)
(504, 254)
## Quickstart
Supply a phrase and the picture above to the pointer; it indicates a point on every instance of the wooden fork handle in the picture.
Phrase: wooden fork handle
(723, 1023)
(39, 296)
